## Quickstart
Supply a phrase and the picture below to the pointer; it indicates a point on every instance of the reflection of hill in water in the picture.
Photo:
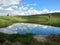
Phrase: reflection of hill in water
(30, 28)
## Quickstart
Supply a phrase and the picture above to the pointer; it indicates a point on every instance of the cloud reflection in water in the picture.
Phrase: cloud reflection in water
(30, 28)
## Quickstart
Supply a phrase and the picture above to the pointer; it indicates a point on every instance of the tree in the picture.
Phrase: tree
(7, 14)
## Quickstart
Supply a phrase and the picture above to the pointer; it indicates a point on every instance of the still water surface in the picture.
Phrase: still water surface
(24, 28)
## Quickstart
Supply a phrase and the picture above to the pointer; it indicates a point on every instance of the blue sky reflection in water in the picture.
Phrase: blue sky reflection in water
(23, 28)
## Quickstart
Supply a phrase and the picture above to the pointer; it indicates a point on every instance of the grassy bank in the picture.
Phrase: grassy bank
(44, 19)
(27, 39)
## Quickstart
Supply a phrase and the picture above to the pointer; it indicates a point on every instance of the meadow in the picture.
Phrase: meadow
(44, 19)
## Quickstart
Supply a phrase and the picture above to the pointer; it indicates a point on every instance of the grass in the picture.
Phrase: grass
(27, 39)
(54, 20)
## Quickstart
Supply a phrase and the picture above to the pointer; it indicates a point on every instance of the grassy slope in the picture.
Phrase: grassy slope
(38, 19)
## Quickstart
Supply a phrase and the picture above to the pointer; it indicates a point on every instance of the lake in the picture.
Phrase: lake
(24, 28)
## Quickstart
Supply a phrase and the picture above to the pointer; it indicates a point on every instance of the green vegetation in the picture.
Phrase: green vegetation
(44, 19)
(27, 39)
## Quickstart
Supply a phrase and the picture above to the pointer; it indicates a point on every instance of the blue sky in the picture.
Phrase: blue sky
(28, 7)
(41, 4)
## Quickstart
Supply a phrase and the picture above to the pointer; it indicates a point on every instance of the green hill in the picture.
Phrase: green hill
(45, 19)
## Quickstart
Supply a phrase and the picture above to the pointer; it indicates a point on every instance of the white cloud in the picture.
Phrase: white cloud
(9, 31)
(9, 9)
(26, 26)
(54, 11)
(22, 27)
(6, 30)
(1, 8)
(23, 8)
(9, 2)
(32, 11)
(14, 10)
(44, 11)
(44, 26)
(31, 5)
